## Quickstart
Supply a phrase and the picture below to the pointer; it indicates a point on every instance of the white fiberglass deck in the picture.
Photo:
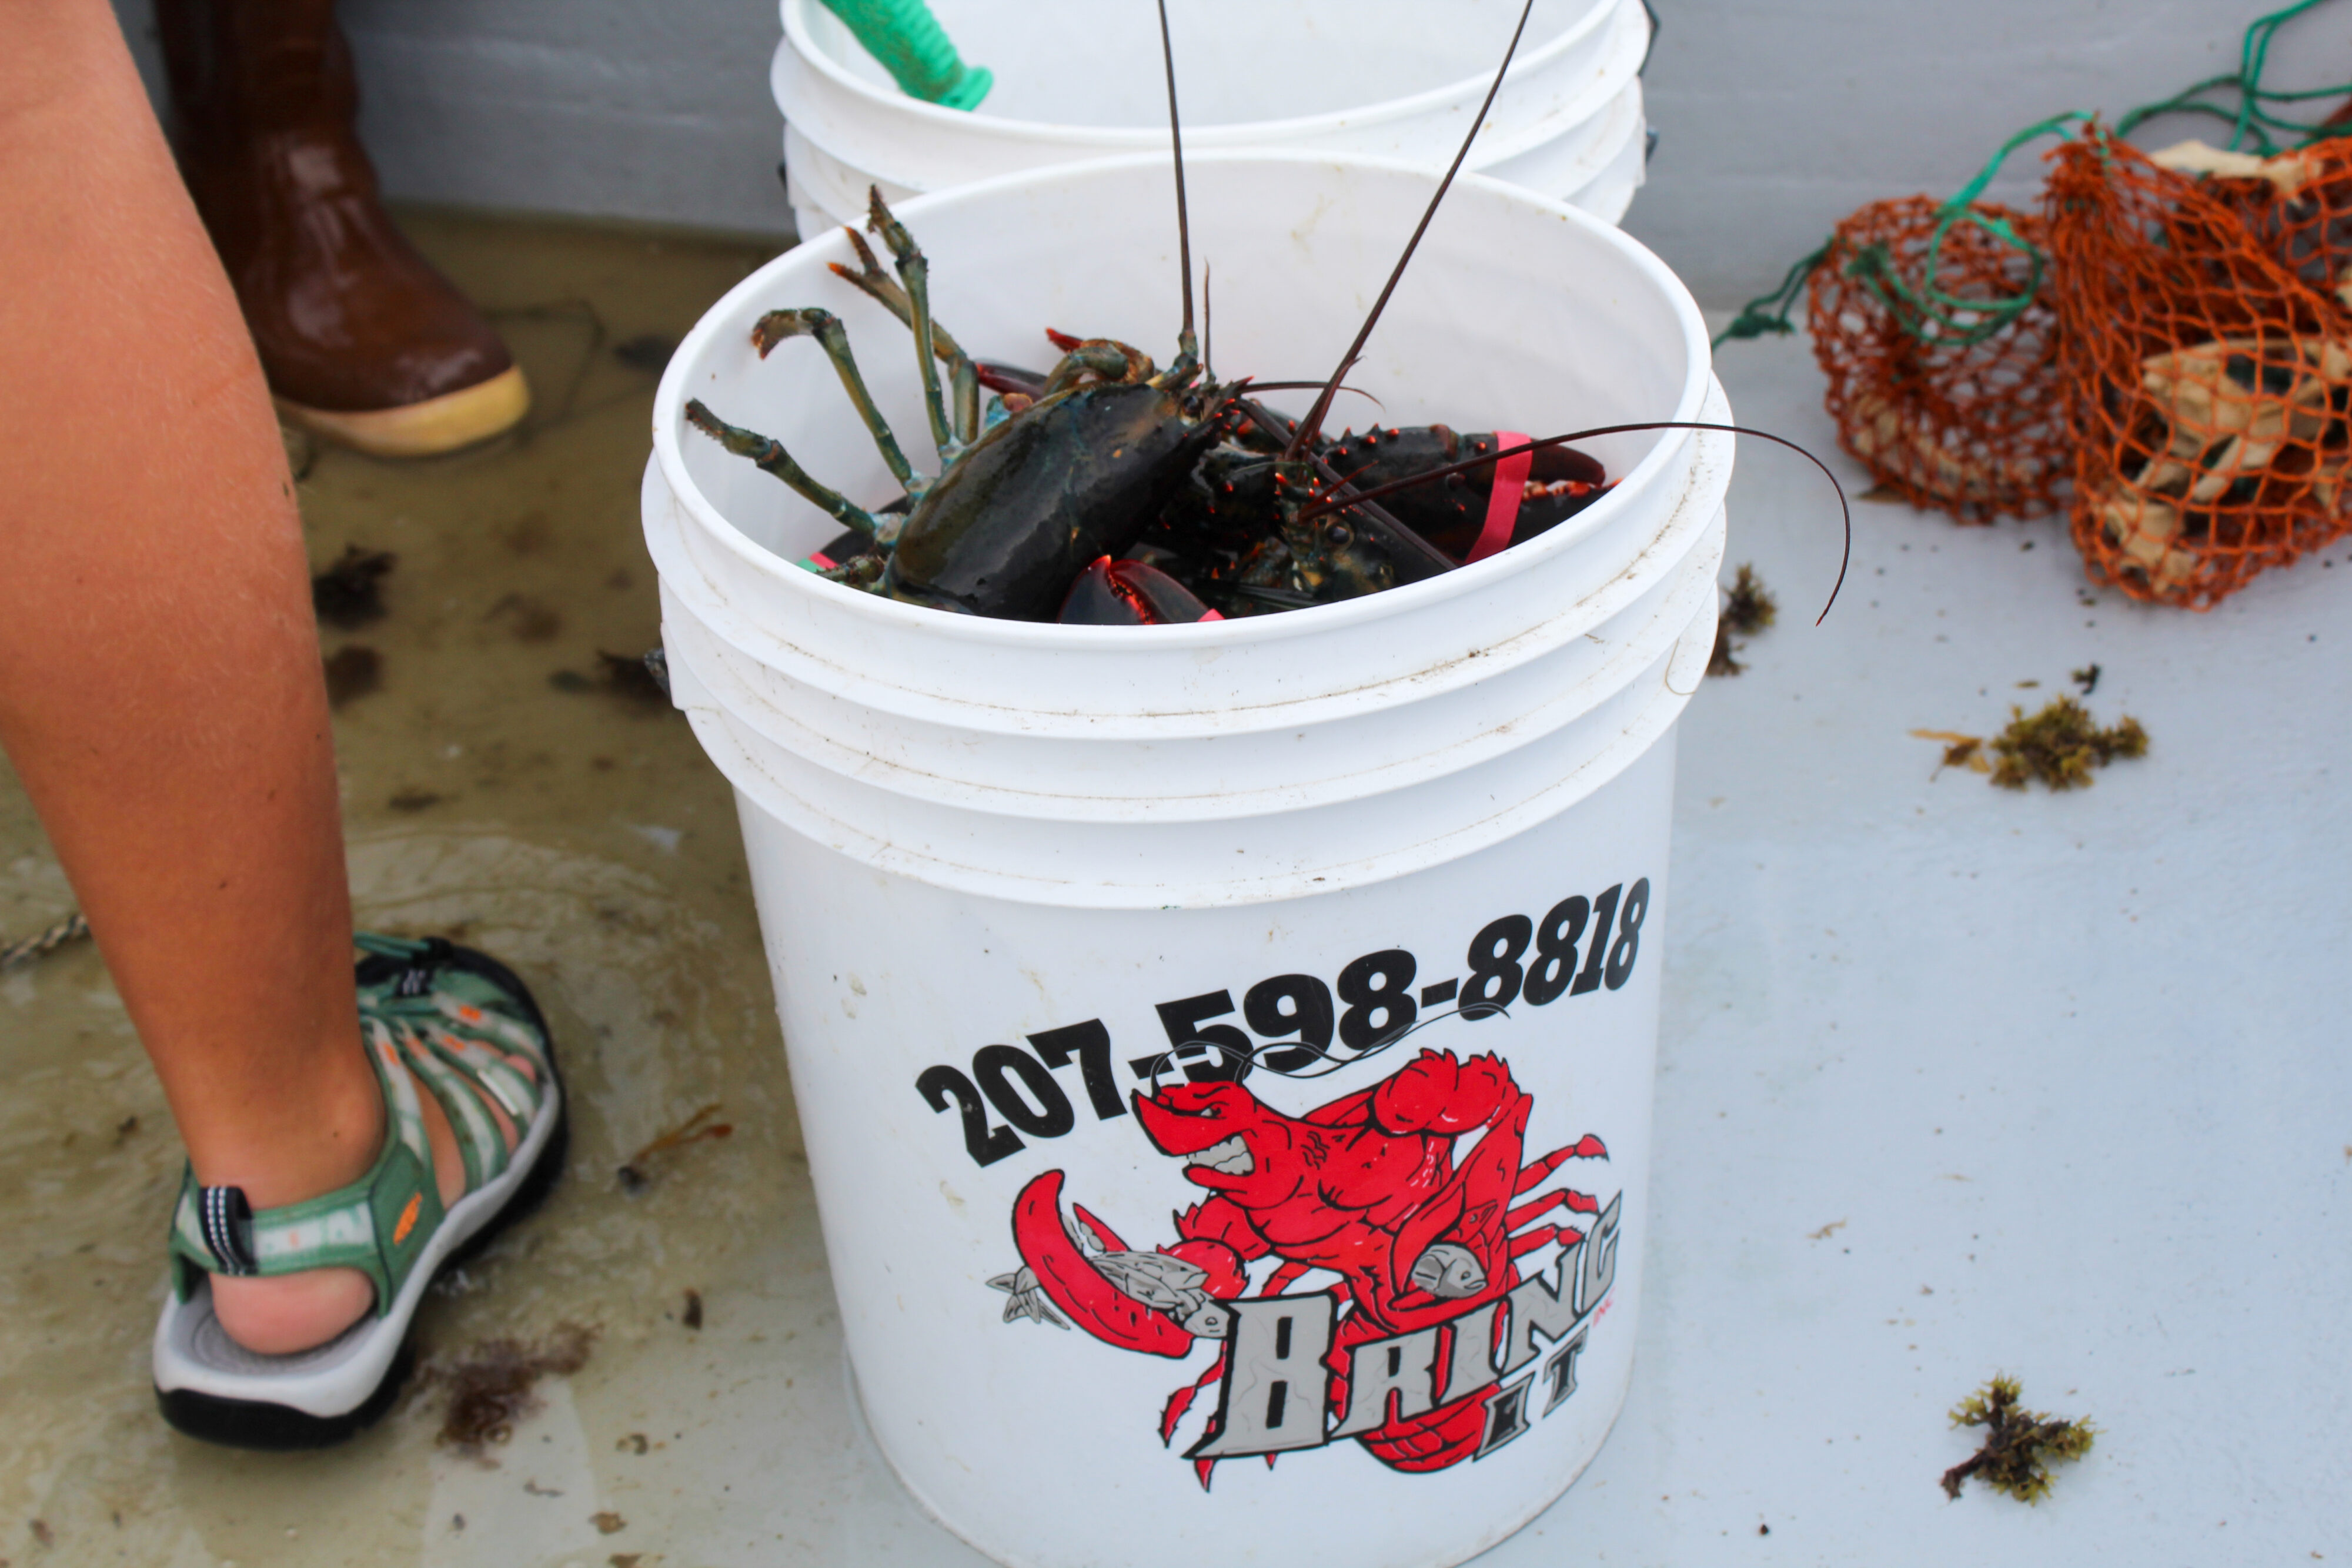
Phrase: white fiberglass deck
(1954, 1080)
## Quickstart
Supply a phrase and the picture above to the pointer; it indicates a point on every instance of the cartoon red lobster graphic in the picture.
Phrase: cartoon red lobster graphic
(1367, 1187)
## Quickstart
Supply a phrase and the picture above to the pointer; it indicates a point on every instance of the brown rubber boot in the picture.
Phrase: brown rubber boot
(364, 342)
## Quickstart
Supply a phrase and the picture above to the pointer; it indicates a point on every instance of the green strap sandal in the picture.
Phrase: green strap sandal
(457, 1019)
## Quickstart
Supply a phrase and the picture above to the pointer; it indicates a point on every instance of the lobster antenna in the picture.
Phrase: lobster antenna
(1184, 340)
(1313, 424)
(1845, 557)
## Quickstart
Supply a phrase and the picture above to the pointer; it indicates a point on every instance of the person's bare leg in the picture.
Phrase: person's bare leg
(159, 686)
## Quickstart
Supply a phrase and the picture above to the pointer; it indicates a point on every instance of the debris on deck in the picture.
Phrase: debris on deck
(494, 1386)
(2016, 1442)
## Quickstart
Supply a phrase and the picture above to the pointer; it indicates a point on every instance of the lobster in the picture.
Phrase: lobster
(1222, 538)
(1021, 507)
(1108, 491)
(1040, 494)
(1367, 1187)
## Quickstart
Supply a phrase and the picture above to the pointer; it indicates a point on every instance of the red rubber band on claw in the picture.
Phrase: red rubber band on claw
(1503, 504)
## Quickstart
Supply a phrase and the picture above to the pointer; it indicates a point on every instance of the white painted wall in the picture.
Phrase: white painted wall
(1776, 117)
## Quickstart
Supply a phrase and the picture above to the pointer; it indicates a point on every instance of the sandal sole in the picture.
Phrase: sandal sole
(275, 1428)
(265, 1427)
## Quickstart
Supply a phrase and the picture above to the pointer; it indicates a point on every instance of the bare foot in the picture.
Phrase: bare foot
(293, 1313)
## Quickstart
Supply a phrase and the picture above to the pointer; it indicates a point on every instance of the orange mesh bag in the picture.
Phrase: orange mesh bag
(1954, 408)
(2300, 205)
(2207, 361)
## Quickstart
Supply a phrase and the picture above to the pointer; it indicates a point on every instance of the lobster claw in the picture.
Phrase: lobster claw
(1070, 1278)
(1130, 594)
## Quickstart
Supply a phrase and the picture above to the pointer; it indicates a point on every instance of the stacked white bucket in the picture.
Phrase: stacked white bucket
(1080, 79)
(1001, 867)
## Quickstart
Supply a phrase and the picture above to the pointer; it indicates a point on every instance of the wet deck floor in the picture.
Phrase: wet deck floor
(2115, 1002)
(580, 834)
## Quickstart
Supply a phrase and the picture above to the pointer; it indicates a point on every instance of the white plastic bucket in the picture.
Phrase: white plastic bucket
(1007, 872)
(1076, 79)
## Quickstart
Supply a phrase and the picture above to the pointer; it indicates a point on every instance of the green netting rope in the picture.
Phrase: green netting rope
(1769, 312)
(1928, 314)
(2250, 118)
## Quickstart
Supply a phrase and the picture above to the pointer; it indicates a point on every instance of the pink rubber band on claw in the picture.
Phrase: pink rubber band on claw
(1503, 504)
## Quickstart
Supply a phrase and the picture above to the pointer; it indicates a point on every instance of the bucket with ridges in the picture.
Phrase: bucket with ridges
(1224, 1051)
(1076, 80)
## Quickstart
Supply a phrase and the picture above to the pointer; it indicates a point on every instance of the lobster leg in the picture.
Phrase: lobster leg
(1182, 1400)
(1543, 1236)
(963, 374)
(826, 329)
(879, 286)
(1527, 1211)
(770, 455)
(1581, 1203)
(1282, 1278)
(915, 274)
(1587, 1147)
(965, 383)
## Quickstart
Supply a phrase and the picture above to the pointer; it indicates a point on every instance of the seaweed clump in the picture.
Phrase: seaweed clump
(495, 1385)
(647, 351)
(637, 679)
(350, 593)
(2017, 1442)
(352, 672)
(643, 681)
(1747, 609)
(2060, 745)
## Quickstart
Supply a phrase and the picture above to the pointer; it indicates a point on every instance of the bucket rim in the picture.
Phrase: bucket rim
(810, 660)
(918, 759)
(1234, 133)
(1594, 118)
(670, 398)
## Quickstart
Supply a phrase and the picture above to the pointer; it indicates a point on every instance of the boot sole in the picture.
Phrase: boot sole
(426, 429)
